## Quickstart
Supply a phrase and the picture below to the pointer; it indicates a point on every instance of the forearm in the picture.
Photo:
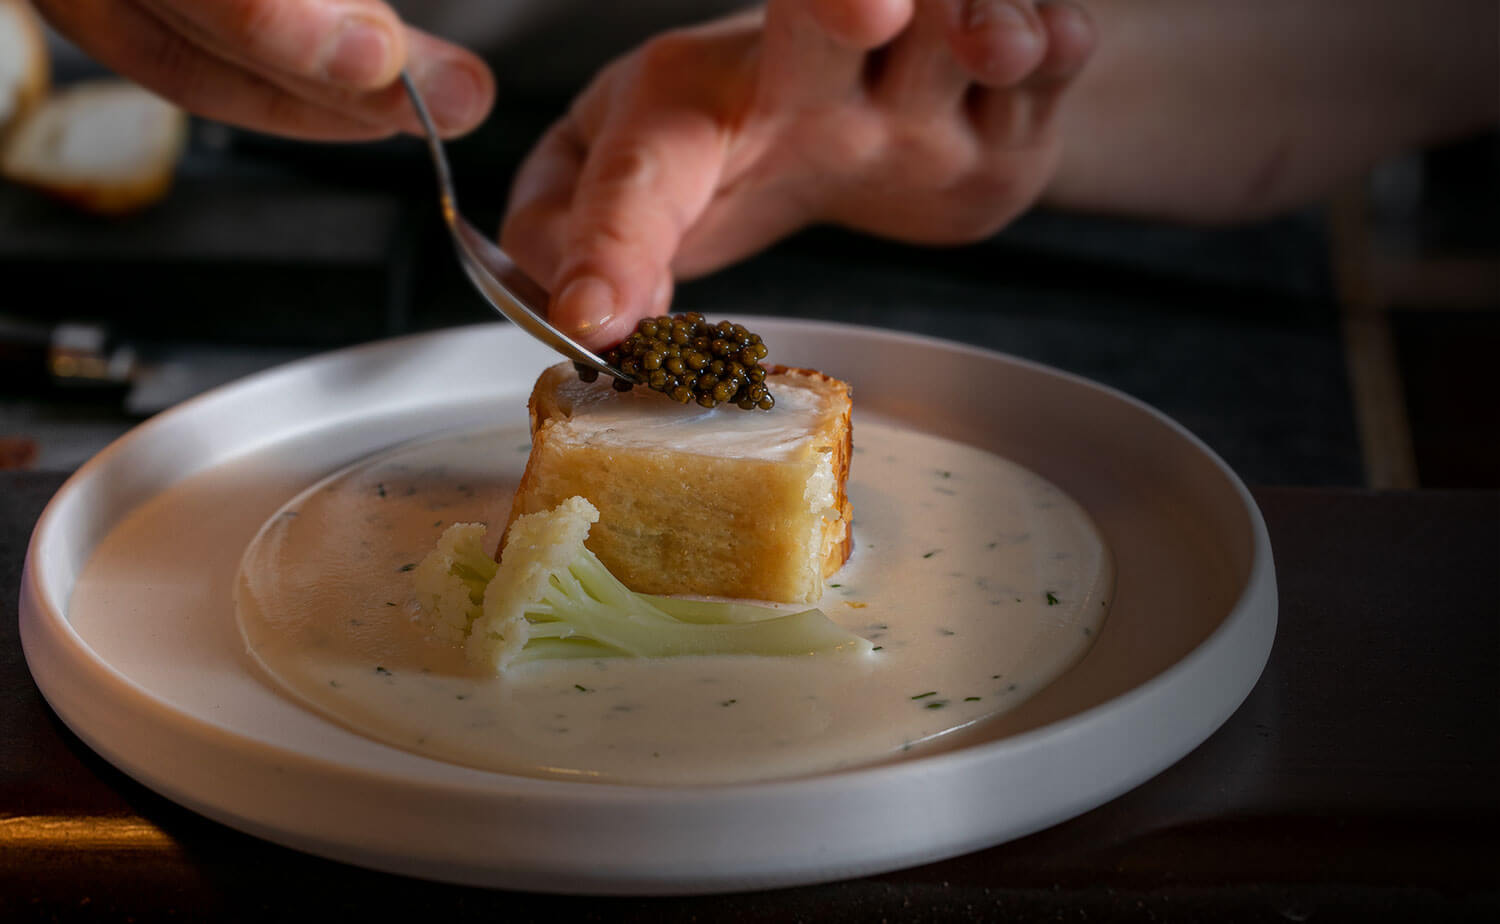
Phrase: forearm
(1223, 110)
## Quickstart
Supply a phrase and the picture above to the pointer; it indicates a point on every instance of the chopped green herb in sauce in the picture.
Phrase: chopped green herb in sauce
(969, 576)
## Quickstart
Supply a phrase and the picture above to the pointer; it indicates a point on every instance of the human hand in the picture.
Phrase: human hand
(316, 69)
(928, 121)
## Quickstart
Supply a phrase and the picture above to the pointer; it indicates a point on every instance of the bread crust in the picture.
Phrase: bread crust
(840, 540)
(37, 76)
(835, 542)
(116, 198)
(101, 194)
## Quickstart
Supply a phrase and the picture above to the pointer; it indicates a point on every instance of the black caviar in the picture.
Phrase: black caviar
(690, 359)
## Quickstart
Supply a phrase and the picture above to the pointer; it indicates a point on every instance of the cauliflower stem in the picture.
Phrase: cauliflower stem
(550, 597)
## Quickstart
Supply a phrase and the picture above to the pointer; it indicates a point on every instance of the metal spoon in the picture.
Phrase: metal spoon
(512, 293)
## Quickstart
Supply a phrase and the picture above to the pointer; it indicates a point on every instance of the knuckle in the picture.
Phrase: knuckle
(996, 52)
(270, 31)
(633, 166)
(686, 66)
(248, 21)
(986, 61)
(854, 145)
(639, 237)
(932, 155)
(610, 230)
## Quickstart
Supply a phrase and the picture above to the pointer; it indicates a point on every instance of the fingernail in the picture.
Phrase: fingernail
(452, 94)
(359, 54)
(585, 305)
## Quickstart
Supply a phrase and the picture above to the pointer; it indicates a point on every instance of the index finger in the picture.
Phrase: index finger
(645, 181)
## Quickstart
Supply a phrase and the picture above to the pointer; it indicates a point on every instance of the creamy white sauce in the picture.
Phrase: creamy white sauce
(642, 419)
(979, 582)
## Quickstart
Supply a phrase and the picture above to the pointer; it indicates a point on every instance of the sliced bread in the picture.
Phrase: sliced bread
(107, 146)
(722, 502)
(25, 69)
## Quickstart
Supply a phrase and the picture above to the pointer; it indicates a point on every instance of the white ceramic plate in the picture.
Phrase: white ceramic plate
(178, 707)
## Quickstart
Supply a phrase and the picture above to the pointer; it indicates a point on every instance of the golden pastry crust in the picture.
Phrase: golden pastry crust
(36, 72)
(840, 441)
(678, 521)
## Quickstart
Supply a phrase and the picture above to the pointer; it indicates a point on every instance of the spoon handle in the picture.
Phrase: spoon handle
(491, 270)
